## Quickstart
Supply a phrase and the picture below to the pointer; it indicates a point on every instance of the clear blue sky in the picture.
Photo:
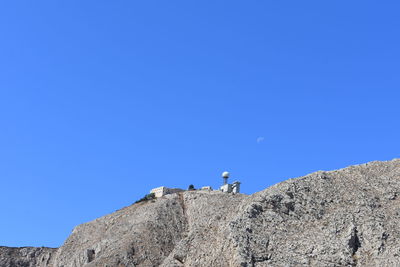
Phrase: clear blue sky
(100, 101)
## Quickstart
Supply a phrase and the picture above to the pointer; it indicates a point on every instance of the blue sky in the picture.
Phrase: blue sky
(100, 101)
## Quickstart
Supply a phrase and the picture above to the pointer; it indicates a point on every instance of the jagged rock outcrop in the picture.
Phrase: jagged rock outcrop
(26, 256)
(347, 217)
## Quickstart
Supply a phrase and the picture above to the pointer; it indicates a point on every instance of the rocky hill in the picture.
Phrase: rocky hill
(347, 217)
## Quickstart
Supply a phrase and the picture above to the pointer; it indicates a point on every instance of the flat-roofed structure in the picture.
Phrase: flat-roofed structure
(162, 191)
(229, 188)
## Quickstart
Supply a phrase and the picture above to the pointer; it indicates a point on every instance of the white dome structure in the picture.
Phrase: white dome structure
(229, 188)
(225, 175)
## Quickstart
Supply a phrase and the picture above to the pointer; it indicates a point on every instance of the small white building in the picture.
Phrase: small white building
(206, 188)
(236, 187)
(229, 188)
(226, 188)
(162, 191)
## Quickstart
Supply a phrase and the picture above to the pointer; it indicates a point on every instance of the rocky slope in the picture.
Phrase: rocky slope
(347, 217)
(26, 256)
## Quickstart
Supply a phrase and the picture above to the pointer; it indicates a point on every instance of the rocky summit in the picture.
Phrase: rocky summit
(347, 217)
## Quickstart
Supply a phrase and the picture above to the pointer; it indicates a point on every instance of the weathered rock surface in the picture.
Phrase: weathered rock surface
(347, 217)
(26, 256)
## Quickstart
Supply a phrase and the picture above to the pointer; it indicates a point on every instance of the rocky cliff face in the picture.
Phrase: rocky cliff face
(26, 257)
(347, 217)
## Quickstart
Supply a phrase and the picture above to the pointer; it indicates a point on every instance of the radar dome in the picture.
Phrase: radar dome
(225, 175)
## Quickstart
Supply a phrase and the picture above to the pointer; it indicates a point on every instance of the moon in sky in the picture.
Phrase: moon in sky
(260, 139)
